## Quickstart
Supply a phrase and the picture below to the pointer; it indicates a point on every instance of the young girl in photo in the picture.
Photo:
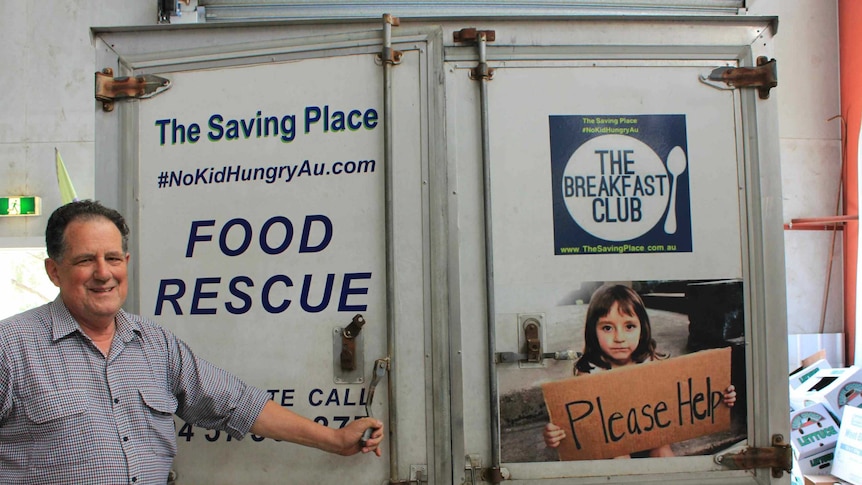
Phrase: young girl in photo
(618, 333)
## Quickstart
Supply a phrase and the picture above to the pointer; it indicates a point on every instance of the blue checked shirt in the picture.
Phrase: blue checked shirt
(68, 415)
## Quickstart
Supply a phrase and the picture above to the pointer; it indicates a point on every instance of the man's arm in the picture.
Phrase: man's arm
(280, 423)
(195, 382)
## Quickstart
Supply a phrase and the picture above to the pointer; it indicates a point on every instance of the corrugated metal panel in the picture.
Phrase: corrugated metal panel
(250, 10)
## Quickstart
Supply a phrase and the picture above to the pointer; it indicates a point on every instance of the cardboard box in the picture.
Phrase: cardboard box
(848, 451)
(838, 388)
(813, 431)
(799, 399)
(801, 375)
(818, 463)
(796, 478)
(822, 480)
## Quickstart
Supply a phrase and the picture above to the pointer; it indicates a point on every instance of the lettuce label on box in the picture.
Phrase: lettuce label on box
(803, 374)
(812, 431)
(838, 388)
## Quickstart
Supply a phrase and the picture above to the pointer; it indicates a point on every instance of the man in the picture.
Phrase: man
(87, 390)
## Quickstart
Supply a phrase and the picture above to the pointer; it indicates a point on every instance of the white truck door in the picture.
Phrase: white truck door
(264, 224)
(558, 156)
(592, 155)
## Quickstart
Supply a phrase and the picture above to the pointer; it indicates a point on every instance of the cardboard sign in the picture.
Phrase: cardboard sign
(640, 407)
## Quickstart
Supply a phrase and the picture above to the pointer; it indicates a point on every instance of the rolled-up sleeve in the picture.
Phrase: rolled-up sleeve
(211, 397)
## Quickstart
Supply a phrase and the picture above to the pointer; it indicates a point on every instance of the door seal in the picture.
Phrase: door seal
(778, 457)
(110, 88)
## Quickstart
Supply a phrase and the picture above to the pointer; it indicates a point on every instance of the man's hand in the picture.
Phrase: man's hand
(352, 434)
(280, 423)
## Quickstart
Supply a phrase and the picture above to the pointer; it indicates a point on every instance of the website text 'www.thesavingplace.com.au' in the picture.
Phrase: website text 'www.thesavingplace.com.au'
(614, 248)
(271, 174)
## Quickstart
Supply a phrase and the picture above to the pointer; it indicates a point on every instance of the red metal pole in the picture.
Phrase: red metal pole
(850, 42)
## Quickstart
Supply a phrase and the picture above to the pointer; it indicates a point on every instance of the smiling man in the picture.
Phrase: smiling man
(88, 391)
(89, 264)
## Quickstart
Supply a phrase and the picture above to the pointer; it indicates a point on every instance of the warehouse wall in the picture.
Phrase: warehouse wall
(808, 75)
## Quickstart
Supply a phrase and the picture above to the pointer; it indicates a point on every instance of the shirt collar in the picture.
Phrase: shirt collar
(127, 327)
(64, 323)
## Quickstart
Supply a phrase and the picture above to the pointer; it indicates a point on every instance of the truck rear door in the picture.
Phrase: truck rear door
(438, 200)
(605, 153)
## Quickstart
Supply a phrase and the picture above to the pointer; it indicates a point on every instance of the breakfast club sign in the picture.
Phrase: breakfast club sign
(620, 184)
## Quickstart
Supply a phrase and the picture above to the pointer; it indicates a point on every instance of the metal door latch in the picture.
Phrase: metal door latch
(763, 77)
(418, 476)
(532, 354)
(380, 368)
(513, 357)
(477, 474)
(778, 457)
(348, 356)
(348, 342)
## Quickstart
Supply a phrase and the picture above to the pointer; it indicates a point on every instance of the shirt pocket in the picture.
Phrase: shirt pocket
(62, 429)
(161, 406)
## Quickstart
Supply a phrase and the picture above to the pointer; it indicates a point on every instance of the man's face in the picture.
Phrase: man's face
(92, 272)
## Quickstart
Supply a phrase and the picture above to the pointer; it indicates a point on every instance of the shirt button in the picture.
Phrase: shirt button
(134, 479)
(125, 438)
(116, 400)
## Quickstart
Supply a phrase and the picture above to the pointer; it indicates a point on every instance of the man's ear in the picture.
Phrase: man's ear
(53, 271)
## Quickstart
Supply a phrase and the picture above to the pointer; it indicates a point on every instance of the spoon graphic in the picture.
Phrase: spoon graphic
(676, 163)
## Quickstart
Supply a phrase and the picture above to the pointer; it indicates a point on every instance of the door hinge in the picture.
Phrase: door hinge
(110, 88)
(480, 38)
(763, 77)
(778, 457)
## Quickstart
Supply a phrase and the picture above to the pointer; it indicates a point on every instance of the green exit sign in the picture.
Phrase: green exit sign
(24, 205)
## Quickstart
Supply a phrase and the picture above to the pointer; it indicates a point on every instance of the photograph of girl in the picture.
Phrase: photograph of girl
(608, 325)
(618, 333)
